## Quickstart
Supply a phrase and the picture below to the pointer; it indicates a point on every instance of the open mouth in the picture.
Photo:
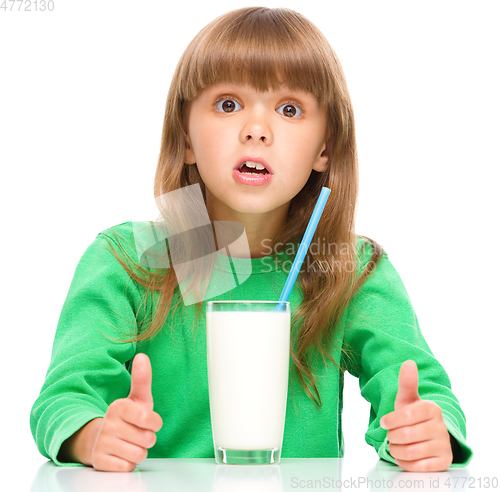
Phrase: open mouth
(249, 167)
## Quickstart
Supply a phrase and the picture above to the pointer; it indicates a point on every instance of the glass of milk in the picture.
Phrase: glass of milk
(248, 353)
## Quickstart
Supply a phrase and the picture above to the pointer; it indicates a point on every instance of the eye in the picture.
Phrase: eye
(227, 105)
(290, 110)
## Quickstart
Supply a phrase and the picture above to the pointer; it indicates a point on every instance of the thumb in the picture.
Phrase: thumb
(408, 385)
(140, 387)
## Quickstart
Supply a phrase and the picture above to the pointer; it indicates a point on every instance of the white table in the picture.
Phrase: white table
(200, 475)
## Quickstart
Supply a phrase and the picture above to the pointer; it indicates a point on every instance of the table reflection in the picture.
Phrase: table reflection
(385, 477)
(199, 475)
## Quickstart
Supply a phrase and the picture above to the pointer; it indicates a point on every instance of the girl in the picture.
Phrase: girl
(258, 119)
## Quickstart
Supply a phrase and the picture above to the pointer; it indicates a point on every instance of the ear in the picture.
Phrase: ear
(321, 162)
(189, 157)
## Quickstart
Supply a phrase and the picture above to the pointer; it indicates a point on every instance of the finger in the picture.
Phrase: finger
(408, 385)
(127, 451)
(112, 445)
(108, 463)
(141, 378)
(135, 435)
(416, 451)
(428, 465)
(133, 413)
(418, 412)
(409, 434)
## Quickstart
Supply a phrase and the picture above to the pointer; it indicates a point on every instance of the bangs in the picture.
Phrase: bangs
(260, 47)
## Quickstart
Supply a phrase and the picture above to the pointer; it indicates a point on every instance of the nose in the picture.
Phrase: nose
(255, 129)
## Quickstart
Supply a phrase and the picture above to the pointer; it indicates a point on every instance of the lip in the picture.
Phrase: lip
(254, 159)
(255, 180)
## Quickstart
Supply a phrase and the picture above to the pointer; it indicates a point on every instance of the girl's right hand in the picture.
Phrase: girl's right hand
(128, 429)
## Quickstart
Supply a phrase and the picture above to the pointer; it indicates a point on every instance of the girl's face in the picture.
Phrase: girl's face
(284, 130)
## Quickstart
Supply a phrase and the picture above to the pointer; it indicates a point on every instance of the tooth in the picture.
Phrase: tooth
(255, 165)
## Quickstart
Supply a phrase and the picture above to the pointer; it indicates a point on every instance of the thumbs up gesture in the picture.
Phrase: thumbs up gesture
(128, 428)
(418, 438)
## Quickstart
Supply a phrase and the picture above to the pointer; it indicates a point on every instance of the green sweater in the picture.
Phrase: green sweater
(88, 370)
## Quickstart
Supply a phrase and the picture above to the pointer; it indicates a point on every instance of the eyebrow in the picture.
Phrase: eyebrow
(286, 91)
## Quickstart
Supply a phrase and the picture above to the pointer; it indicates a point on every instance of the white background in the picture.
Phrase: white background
(82, 100)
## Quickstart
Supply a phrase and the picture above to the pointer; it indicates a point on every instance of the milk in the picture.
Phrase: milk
(248, 354)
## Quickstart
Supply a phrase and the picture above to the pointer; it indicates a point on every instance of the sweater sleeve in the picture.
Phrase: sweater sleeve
(382, 331)
(89, 368)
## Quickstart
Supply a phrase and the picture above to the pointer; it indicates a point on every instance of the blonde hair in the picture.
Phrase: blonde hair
(264, 47)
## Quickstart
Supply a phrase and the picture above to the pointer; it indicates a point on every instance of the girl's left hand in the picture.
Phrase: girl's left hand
(418, 438)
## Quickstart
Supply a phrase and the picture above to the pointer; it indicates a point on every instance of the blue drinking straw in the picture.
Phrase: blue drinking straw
(304, 246)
